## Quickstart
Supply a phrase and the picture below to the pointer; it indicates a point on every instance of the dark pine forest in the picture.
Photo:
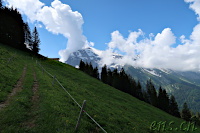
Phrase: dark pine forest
(15, 32)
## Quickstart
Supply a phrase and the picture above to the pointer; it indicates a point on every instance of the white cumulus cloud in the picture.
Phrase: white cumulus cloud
(58, 19)
(158, 51)
(195, 5)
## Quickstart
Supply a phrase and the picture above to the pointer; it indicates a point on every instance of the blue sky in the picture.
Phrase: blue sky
(108, 22)
(103, 17)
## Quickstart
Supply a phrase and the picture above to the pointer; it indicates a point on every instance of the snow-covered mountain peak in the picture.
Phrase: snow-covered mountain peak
(92, 55)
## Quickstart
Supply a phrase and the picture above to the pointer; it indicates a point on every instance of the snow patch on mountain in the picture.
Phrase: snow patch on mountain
(165, 71)
(151, 71)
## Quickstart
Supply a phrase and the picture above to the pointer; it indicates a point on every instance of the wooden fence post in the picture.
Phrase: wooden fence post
(80, 115)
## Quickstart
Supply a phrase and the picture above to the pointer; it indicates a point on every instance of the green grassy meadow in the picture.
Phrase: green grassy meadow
(115, 111)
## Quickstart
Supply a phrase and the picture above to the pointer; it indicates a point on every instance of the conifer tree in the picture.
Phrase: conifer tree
(165, 101)
(160, 98)
(133, 88)
(1, 4)
(145, 96)
(148, 88)
(185, 112)
(152, 94)
(82, 65)
(116, 81)
(86, 70)
(28, 36)
(173, 107)
(128, 81)
(139, 91)
(110, 77)
(90, 71)
(123, 83)
(96, 73)
(36, 41)
(104, 74)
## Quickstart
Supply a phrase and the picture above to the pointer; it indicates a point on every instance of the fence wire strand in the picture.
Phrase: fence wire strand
(68, 93)
(74, 99)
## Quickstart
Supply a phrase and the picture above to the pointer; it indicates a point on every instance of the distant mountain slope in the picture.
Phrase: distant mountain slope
(184, 85)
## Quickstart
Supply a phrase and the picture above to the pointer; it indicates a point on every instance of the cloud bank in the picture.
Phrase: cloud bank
(158, 51)
(58, 19)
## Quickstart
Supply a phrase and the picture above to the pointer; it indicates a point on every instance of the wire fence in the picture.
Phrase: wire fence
(71, 97)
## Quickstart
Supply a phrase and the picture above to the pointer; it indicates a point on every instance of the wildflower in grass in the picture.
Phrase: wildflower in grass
(67, 120)
(95, 116)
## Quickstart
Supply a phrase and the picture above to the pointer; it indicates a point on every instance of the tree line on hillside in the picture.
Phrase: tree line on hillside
(15, 32)
(124, 82)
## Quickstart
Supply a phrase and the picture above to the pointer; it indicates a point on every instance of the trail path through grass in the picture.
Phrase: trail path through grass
(35, 99)
(17, 88)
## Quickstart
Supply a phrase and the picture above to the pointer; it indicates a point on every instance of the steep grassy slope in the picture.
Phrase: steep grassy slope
(10, 73)
(115, 111)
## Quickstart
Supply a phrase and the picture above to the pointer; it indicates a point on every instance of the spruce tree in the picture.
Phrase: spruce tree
(28, 36)
(110, 77)
(116, 80)
(148, 88)
(145, 96)
(1, 4)
(96, 73)
(139, 91)
(36, 41)
(185, 112)
(82, 65)
(133, 88)
(165, 101)
(160, 98)
(123, 84)
(152, 94)
(104, 74)
(90, 69)
(173, 107)
(86, 70)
